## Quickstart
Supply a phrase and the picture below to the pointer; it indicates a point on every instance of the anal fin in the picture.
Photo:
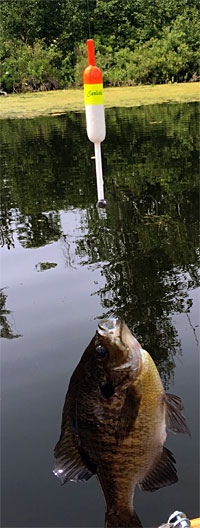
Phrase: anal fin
(162, 474)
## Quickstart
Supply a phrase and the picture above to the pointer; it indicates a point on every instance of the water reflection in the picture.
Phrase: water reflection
(147, 243)
(114, 422)
(46, 164)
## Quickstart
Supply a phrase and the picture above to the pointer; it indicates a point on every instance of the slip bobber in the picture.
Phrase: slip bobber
(95, 115)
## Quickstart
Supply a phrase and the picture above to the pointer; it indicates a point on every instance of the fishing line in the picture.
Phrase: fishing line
(88, 17)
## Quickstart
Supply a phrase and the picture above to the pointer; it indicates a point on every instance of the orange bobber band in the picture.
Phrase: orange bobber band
(91, 74)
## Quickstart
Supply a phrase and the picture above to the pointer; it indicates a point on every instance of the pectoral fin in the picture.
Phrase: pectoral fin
(128, 414)
(162, 474)
(175, 419)
(69, 462)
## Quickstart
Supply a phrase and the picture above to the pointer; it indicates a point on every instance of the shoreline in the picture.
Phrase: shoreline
(35, 104)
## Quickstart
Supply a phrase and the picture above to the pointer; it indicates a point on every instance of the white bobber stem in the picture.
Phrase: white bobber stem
(99, 173)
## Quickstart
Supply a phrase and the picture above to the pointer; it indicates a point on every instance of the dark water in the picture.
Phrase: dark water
(63, 267)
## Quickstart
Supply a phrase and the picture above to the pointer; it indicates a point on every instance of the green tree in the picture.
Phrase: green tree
(136, 40)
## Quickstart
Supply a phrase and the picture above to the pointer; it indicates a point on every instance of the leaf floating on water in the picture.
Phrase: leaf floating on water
(43, 266)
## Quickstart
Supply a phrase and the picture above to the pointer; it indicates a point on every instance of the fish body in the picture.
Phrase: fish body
(114, 422)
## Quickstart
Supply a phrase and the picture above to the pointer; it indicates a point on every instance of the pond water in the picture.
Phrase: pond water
(65, 265)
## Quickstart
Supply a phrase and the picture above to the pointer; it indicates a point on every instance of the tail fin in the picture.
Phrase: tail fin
(122, 519)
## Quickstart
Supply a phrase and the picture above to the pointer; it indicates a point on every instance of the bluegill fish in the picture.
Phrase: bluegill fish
(114, 422)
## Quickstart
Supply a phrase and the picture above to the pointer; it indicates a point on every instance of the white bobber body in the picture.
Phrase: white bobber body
(95, 121)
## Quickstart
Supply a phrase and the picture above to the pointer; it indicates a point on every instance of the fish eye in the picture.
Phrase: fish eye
(101, 352)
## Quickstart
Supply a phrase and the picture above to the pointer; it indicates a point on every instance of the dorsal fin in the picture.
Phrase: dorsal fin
(175, 419)
(163, 473)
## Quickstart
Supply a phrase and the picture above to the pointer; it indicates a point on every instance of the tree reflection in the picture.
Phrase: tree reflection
(146, 246)
(6, 330)
(39, 229)
(147, 279)
(6, 217)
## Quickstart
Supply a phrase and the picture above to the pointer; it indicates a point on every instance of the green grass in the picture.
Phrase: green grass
(59, 102)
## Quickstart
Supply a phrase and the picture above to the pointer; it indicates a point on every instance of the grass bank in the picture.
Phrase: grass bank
(58, 102)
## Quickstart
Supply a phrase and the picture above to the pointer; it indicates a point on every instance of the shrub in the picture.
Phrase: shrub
(170, 55)
(27, 67)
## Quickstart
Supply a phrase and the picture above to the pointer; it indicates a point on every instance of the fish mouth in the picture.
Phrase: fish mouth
(124, 349)
(109, 326)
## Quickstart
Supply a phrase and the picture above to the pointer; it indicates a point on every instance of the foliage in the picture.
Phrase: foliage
(137, 41)
(28, 67)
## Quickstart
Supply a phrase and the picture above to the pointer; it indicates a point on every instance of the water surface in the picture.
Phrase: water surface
(64, 265)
